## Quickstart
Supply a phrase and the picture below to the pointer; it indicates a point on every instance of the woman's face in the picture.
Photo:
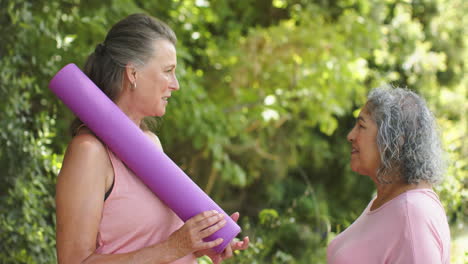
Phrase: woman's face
(156, 80)
(365, 156)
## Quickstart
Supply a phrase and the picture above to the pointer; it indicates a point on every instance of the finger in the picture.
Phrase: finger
(207, 222)
(212, 229)
(216, 259)
(210, 244)
(235, 216)
(199, 217)
(242, 245)
(227, 253)
(245, 243)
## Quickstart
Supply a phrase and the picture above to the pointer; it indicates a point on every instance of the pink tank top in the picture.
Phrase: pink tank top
(133, 217)
(410, 229)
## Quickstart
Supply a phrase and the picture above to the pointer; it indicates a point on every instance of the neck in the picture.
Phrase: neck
(126, 107)
(386, 192)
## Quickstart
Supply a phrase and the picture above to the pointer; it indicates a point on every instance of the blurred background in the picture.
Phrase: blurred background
(269, 90)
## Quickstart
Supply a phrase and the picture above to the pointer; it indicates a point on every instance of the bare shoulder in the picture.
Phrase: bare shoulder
(86, 154)
(87, 145)
(154, 138)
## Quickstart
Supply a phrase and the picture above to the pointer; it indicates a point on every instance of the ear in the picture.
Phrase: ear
(130, 73)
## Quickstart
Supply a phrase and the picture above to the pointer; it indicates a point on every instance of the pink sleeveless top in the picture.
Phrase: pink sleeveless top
(133, 217)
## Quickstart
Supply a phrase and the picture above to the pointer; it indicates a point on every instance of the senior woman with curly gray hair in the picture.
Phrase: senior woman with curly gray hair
(395, 142)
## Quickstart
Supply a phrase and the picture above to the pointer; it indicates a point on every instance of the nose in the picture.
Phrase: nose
(351, 135)
(174, 84)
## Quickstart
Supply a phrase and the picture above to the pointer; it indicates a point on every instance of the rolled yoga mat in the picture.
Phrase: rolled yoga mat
(134, 148)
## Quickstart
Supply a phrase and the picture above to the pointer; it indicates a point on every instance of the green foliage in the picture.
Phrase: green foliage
(268, 89)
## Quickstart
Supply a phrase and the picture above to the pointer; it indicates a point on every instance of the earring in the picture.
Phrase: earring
(134, 85)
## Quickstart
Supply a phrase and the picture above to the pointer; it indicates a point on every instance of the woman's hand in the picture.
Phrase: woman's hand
(189, 238)
(228, 251)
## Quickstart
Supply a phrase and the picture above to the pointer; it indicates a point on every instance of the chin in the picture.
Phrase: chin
(357, 170)
(160, 113)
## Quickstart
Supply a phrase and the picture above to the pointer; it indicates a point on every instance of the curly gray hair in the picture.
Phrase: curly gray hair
(407, 136)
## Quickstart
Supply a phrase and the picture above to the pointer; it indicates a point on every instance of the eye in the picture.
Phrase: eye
(170, 69)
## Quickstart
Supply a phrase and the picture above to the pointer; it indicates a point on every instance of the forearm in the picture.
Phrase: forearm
(157, 254)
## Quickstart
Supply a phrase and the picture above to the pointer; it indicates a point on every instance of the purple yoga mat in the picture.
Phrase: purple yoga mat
(134, 148)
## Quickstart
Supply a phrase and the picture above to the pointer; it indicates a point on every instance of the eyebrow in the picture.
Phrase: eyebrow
(361, 118)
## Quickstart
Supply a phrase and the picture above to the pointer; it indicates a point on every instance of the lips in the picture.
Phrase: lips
(354, 150)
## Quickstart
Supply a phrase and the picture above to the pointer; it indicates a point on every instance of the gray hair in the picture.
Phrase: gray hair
(407, 136)
(131, 40)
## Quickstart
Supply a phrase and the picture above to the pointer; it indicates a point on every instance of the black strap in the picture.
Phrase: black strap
(109, 191)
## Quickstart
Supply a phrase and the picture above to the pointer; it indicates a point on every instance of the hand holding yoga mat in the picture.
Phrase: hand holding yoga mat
(136, 150)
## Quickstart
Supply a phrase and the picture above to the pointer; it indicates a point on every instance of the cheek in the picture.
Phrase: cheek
(373, 158)
(161, 83)
(377, 159)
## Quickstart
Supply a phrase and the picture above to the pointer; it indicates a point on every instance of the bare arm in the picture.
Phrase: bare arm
(81, 186)
(79, 198)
